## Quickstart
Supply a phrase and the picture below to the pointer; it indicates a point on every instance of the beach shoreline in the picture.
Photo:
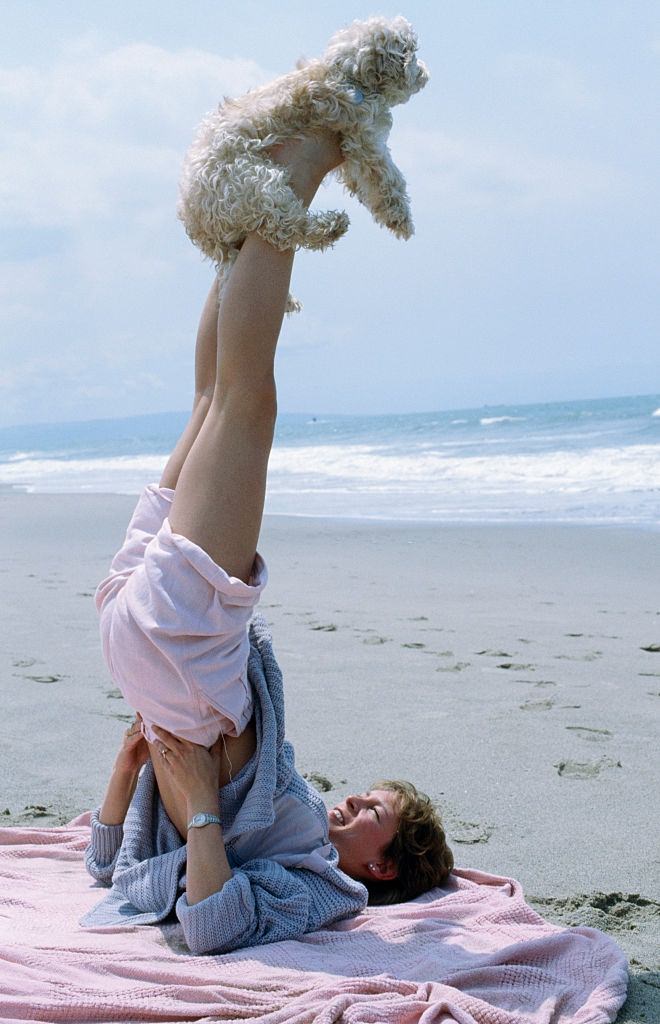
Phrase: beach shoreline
(501, 667)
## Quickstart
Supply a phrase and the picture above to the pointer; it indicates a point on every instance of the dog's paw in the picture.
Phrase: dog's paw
(325, 228)
(338, 225)
(401, 227)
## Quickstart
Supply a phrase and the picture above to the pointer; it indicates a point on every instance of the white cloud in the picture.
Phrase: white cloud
(90, 151)
(469, 172)
(99, 128)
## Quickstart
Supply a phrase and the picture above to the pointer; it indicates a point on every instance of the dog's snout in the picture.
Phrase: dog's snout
(422, 74)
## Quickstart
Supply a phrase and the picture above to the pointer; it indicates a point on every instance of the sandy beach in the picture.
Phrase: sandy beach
(512, 672)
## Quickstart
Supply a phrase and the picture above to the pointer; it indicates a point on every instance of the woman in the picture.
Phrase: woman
(220, 827)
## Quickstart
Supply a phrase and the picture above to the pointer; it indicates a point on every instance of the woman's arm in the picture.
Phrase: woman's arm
(118, 795)
(107, 822)
(194, 771)
(132, 754)
(265, 902)
(207, 867)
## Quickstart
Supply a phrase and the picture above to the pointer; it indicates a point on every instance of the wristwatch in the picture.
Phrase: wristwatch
(200, 820)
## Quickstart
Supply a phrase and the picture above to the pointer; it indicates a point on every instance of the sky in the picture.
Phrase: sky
(532, 161)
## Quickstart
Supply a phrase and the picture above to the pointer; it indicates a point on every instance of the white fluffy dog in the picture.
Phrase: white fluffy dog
(230, 186)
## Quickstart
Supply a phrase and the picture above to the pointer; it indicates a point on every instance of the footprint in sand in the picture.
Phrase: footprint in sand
(651, 648)
(414, 646)
(537, 705)
(129, 718)
(457, 667)
(24, 663)
(495, 654)
(537, 682)
(516, 667)
(589, 656)
(610, 911)
(43, 679)
(419, 618)
(328, 627)
(319, 781)
(35, 811)
(591, 735)
(585, 770)
(85, 593)
(114, 695)
(375, 640)
(470, 832)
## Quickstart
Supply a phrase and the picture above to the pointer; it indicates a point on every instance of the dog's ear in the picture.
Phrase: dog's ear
(370, 67)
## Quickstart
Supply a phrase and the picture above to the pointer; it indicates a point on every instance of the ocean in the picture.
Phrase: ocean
(592, 461)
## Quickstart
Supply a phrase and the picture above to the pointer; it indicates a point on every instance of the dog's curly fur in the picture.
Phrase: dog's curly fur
(230, 186)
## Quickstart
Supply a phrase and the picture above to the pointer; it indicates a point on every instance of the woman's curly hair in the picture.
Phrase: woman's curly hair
(419, 848)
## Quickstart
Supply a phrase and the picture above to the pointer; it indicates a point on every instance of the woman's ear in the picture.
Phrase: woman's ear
(383, 871)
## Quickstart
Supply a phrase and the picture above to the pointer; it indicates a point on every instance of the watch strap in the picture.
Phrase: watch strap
(202, 819)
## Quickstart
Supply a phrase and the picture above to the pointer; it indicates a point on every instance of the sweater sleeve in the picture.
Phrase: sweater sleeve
(103, 849)
(262, 902)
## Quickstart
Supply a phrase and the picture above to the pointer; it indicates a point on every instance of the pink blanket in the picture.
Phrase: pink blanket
(473, 953)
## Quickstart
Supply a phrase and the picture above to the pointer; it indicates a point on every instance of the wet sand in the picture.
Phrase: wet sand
(512, 672)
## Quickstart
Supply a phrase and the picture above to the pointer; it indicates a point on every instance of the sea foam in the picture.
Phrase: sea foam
(576, 461)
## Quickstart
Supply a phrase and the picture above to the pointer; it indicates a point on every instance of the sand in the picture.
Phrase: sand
(504, 669)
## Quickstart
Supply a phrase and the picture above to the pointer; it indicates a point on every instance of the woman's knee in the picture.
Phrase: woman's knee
(252, 402)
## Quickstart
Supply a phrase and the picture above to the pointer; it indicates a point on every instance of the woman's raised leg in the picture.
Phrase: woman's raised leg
(219, 497)
(205, 369)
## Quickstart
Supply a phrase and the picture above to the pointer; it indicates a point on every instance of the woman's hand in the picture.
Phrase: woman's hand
(193, 769)
(134, 751)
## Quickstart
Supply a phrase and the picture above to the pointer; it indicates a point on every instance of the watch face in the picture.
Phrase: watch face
(200, 819)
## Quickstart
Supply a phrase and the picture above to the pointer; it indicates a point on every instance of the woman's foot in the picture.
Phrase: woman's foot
(308, 160)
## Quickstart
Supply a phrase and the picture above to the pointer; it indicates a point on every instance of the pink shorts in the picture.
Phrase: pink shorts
(174, 628)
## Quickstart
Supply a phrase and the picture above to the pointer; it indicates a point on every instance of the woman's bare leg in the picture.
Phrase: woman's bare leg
(220, 493)
(218, 468)
(205, 369)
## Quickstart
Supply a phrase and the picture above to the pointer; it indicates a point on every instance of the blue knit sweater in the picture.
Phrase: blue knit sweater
(286, 880)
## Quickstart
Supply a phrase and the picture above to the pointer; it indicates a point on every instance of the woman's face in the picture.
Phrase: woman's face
(361, 828)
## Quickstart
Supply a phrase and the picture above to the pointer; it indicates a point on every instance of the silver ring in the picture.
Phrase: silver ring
(163, 752)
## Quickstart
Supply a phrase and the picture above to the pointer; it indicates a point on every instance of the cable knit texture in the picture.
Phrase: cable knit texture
(286, 880)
